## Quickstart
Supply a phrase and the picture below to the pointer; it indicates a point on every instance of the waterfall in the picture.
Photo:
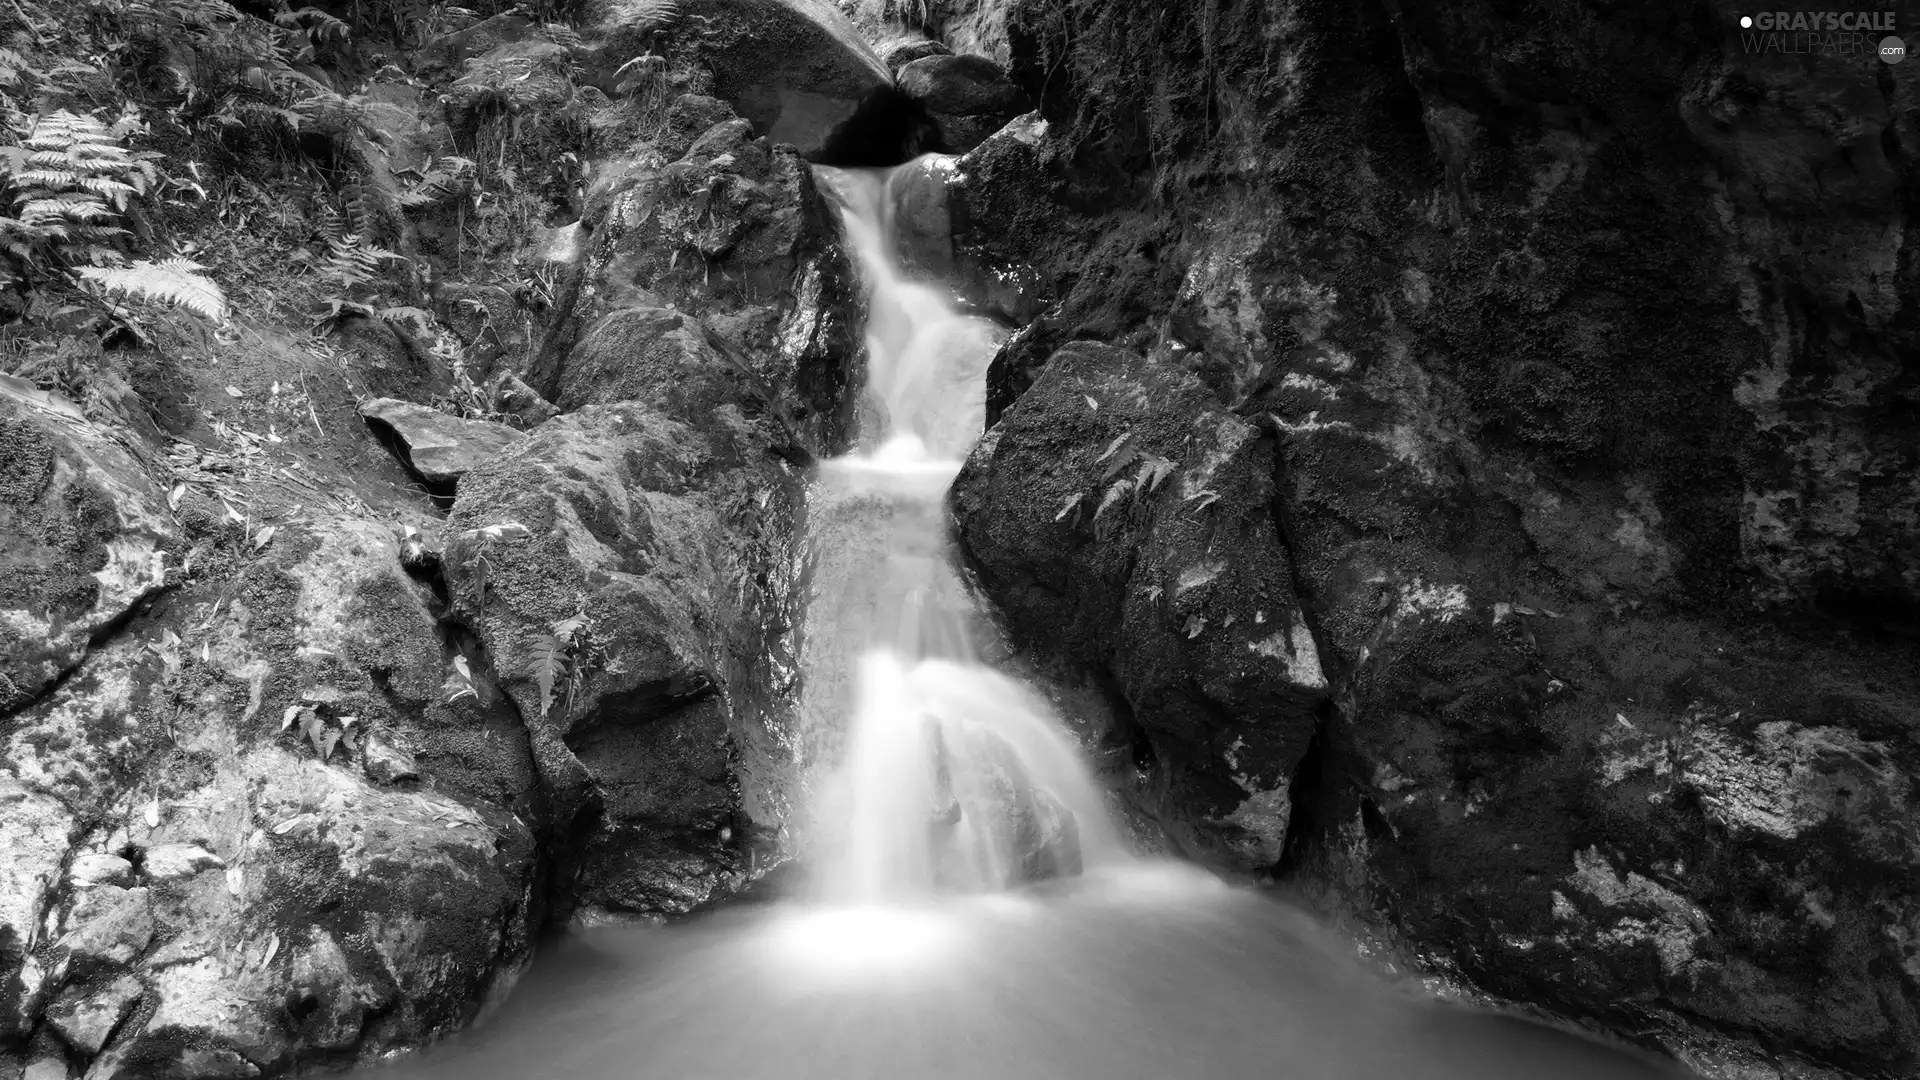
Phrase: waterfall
(934, 773)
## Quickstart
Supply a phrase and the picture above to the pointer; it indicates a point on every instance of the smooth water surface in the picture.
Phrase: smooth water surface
(1150, 973)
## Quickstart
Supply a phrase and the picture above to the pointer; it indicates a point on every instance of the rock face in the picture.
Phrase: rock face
(629, 567)
(202, 875)
(86, 537)
(1590, 456)
(735, 232)
(440, 447)
(1118, 510)
(968, 97)
(285, 786)
(616, 565)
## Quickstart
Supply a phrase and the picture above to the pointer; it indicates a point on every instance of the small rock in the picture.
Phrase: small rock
(85, 1017)
(515, 398)
(46, 1068)
(441, 448)
(90, 870)
(167, 861)
(385, 763)
(108, 925)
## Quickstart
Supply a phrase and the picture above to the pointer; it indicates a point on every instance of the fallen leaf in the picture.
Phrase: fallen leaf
(263, 537)
(286, 718)
(236, 879)
(1092, 404)
(173, 497)
(153, 814)
(234, 392)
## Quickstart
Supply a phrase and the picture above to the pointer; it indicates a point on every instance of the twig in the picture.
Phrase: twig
(22, 12)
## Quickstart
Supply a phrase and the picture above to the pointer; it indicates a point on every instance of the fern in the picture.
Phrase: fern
(549, 663)
(168, 281)
(1154, 471)
(1116, 494)
(451, 179)
(644, 15)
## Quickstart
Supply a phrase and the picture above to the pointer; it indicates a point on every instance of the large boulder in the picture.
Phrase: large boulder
(627, 573)
(967, 97)
(87, 537)
(797, 69)
(1607, 551)
(1121, 518)
(439, 446)
(736, 235)
(206, 871)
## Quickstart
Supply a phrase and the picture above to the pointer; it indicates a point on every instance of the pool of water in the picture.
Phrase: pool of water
(1142, 973)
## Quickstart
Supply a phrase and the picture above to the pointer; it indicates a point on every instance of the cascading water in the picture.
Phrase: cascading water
(940, 774)
(938, 784)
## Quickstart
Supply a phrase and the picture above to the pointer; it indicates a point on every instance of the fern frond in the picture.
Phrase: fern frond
(1154, 470)
(1115, 494)
(168, 281)
(549, 663)
(644, 15)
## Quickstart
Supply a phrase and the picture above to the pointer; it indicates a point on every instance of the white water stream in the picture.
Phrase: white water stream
(971, 912)
(937, 774)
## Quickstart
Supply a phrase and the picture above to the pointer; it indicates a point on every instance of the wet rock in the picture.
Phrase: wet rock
(1032, 836)
(796, 68)
(625, 571)
(1552, 549)
(738, 236)
(1119, 516)
(438, 446)
(899, 54)
(86, 535)
(968, 97)
(657, 356)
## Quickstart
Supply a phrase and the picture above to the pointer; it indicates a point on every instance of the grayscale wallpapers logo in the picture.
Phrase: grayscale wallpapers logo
(1823, 33)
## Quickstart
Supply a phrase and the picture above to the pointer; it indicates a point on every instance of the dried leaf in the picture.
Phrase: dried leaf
(234, 392)
(1092, 404)
(173, 497)
(264, 537)
(287, 718)
(1115, 445)
(1072, 504)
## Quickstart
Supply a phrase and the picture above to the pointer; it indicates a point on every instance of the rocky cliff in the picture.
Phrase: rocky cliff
(434, 587)
(1457, 462)
(1557, 375)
